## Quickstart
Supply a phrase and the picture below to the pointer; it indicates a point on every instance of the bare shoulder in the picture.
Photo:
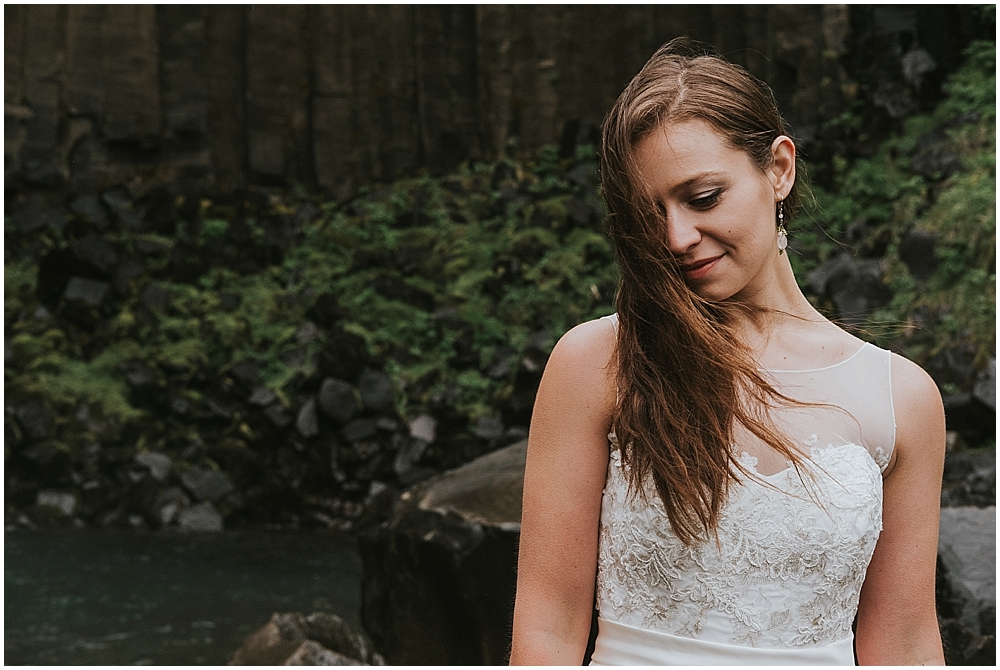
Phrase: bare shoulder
(913, 390)
(920, 423)
(577, 391)
(581, 370)
(591, 343)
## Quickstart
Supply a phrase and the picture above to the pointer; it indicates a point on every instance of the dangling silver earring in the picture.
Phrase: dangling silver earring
(782, 232)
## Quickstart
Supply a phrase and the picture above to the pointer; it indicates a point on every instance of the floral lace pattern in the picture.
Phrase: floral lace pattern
(788, 567)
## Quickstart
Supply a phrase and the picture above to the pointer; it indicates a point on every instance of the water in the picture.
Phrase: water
(101, 597)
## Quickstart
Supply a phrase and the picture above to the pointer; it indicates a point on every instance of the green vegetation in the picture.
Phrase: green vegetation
(938, 177)
(460, 284)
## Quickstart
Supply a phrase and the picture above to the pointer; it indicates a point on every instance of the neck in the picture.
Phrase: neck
(776, 299)
(777, 291)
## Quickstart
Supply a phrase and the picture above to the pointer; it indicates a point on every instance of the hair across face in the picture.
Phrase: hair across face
(716, 207)
(684, 161)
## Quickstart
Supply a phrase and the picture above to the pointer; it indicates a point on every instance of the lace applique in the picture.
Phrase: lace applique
(881, 458)
(786, 571)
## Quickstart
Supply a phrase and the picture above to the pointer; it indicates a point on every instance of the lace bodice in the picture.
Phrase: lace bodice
(792, 552)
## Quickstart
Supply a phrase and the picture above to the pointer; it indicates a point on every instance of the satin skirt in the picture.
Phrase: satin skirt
(619, 644)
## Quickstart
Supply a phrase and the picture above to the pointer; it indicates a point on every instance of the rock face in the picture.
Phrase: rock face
(970, 479)
(967, 584)
(440, 574)
(316, 639)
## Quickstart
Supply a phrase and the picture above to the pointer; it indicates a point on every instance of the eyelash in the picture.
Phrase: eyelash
(708, 200)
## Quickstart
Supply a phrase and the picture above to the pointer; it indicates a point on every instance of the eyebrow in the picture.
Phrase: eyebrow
(701, 176)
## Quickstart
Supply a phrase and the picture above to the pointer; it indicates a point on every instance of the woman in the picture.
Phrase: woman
(714, 465)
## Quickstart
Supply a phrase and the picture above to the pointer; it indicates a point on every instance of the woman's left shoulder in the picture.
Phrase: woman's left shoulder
(919, 413)
(912, 388)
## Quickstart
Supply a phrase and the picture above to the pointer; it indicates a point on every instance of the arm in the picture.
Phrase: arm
(897, 620)
(564, 476)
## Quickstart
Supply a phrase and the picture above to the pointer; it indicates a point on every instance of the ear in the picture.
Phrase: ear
(781, 173)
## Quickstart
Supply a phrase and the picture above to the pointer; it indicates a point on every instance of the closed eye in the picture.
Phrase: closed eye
(706, 201)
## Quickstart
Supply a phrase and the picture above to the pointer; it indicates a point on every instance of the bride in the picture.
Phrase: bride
(727, 475)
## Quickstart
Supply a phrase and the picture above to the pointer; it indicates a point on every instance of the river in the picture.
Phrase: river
(103, 597)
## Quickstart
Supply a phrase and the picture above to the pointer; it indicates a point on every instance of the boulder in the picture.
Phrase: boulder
(307, 421)
(158, 464)
(970, 479)
(317, 639)
(854, 286)
(88, 292)
(985, 390)
(200, 518)
(439, 576)
(424, 427)
(970, 417)
(967, 583)
(63, 503)
(169, 503)
(361, 429)
(338, 400)
(35, 419)
(206, 484)
(96, 252)
(376, 391)
(313, 653)
(262, 396)
(916, 250)
(88, 208)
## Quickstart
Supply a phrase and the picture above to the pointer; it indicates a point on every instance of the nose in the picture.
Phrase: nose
(682, 232)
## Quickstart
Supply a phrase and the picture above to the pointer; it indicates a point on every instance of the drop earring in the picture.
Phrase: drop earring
(782, 232)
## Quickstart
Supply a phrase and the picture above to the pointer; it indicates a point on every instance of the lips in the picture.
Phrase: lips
(700, 268)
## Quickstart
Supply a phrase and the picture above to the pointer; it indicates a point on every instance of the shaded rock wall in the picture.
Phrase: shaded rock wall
(439, 576)
(334, 96)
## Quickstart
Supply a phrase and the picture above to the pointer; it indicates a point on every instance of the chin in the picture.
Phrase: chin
(714, 293)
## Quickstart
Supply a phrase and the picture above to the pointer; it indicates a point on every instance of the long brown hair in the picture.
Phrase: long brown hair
(685, 377)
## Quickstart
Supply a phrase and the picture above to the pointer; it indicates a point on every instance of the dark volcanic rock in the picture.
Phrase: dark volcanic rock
(201, 518)
(970, 478)
(87, 292)
(313, 653)
(206, 484)
(973, 420)
(338, 400)
(854, 286)
(35, 419)
(985, 390)
(307, 421)
(37, 214)
(916, 250)
(967, 584)
(158, 464)
(285, 639)
(439, 575)
(376, 390)
(88, 208)
(96, 252)
(362, 429)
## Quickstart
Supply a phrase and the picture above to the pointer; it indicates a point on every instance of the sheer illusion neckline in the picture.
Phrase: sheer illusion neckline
(827, 367)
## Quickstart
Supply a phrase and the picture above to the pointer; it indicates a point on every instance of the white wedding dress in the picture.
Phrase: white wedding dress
(781, 587)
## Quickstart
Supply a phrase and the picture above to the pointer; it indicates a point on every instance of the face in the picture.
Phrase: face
(717, 209)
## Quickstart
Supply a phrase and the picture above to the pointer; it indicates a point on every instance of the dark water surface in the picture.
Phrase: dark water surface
(86, 597)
